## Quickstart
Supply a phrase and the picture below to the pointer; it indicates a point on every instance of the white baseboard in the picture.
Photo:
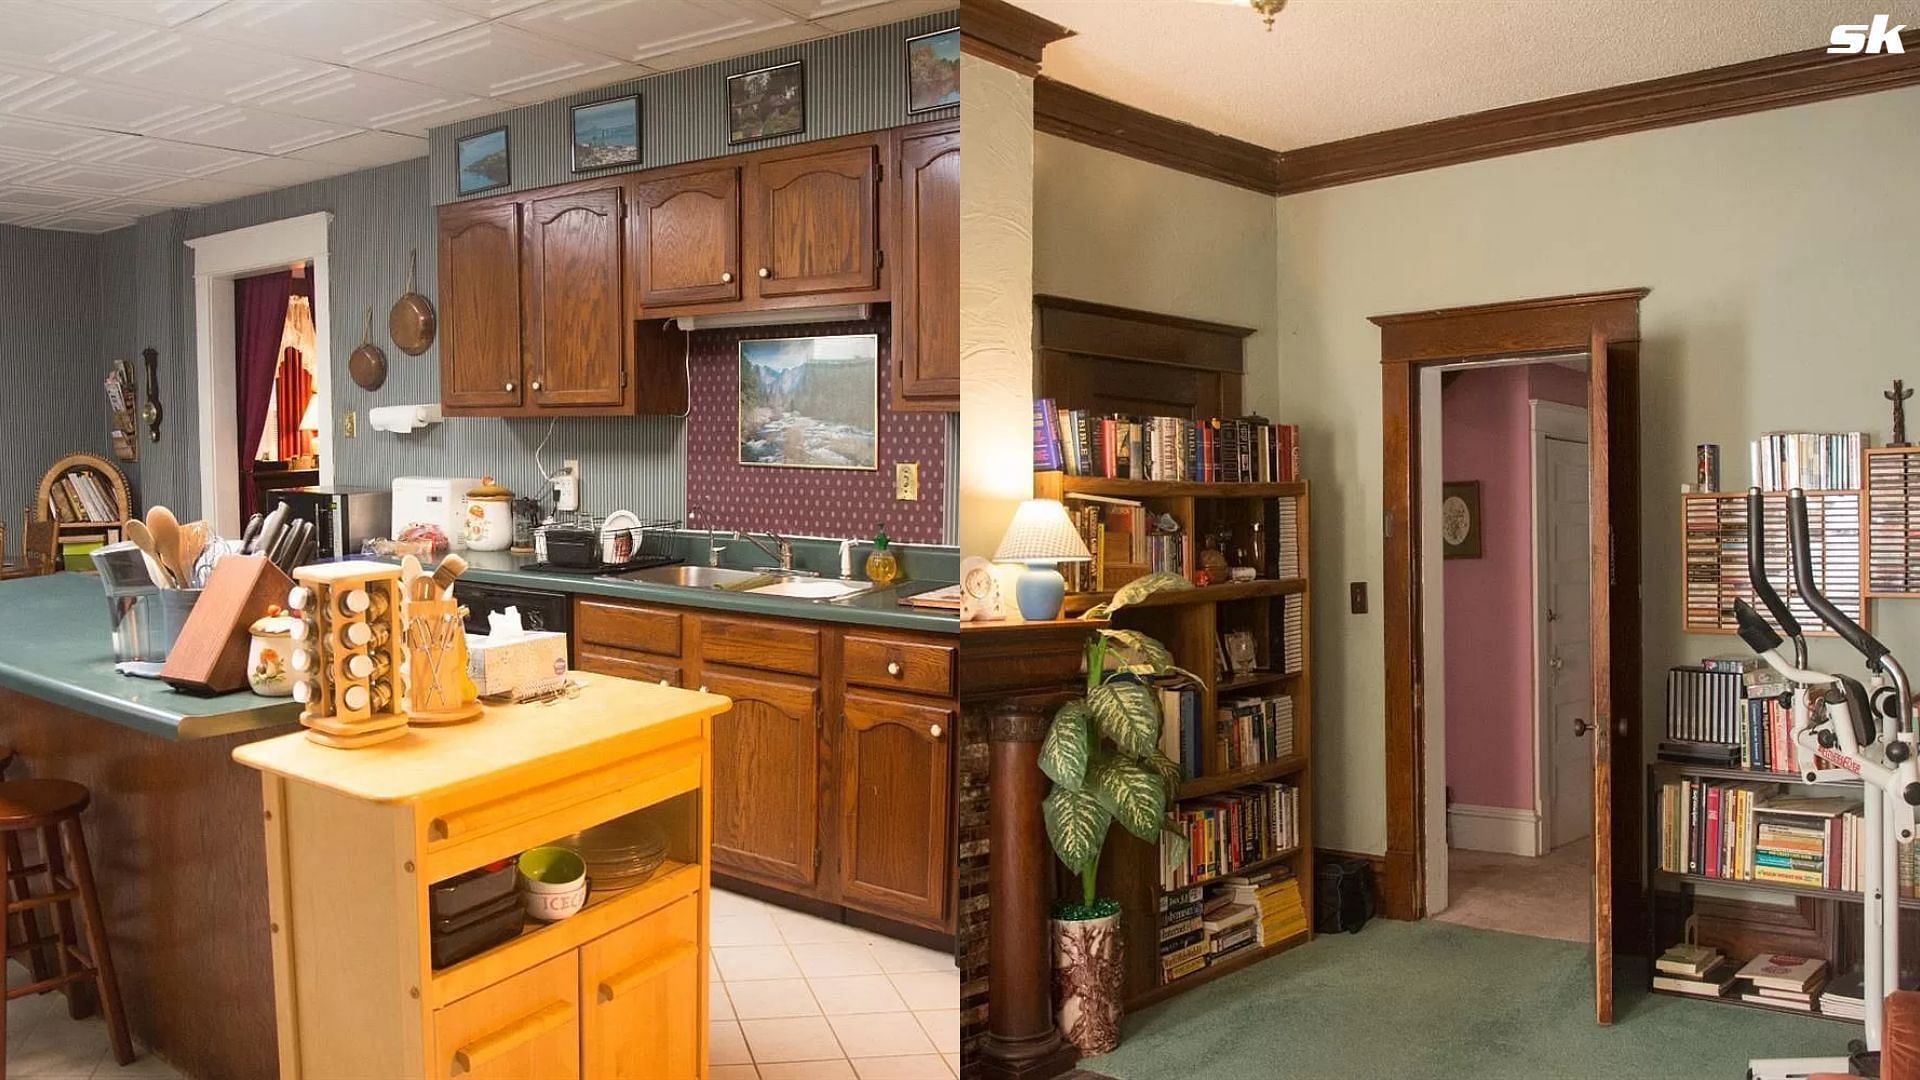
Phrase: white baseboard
(1493, 828)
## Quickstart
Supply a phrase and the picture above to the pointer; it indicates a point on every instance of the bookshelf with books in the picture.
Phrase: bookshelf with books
(1243, 734)
(87, 498)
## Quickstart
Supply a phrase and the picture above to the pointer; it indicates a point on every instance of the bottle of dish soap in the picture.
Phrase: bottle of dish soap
(883, 568)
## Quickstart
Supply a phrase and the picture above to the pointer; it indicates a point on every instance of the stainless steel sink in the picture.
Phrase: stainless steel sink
(813, 588)
(701, 577)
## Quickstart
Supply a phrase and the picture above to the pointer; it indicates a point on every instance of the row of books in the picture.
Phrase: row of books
(1777, 979)
(1740, 830)
(1247, 449)
(1825, 460)
(79, 496)
(1255, 730)
(1180, 727)
(1123, 535)
(1737, 721)
(1202, 925)
(1229, 831)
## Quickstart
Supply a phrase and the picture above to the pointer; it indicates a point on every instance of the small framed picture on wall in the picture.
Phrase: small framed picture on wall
(810, 402)
(606, 133)
(933, 70)
(482, 162)
(1460, 519)
(767, 102)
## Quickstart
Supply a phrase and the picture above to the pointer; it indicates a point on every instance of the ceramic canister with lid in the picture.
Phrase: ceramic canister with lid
(268, 654)
(489, 524)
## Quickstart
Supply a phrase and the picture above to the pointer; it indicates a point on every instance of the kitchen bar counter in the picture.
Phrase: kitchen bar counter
(55, 645)
(881, 607)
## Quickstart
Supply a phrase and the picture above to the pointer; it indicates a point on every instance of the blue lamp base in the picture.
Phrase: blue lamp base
(1039, 591)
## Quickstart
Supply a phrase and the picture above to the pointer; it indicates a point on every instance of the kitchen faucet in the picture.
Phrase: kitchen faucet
(846, 558)
(782, 549)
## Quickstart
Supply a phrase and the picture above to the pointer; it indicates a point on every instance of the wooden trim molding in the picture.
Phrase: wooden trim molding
(1012, 37)
(1073, 113)
(1522, 327)
(1773, 82)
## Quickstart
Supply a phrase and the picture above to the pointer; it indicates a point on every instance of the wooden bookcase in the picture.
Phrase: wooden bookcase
(1714, 539)
(1189, 622)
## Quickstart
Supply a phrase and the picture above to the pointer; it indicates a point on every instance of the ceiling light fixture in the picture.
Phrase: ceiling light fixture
(1267, 9)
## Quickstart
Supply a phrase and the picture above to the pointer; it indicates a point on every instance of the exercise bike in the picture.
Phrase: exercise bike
(1841, 730)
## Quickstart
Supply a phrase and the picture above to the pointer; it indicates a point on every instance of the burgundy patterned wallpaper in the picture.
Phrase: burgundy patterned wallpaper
(723, 494)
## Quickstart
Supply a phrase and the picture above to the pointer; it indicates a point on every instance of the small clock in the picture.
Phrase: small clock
(981, 598)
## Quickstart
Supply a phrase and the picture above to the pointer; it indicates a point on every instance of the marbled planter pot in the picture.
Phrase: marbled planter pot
(1088, 975)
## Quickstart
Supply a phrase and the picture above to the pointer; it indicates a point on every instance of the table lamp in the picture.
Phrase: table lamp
(1041, 535)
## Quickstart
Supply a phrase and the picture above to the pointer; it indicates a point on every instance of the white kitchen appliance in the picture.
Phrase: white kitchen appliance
(432, 502)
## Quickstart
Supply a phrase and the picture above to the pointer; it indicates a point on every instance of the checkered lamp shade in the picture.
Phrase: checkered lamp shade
(1041, 532)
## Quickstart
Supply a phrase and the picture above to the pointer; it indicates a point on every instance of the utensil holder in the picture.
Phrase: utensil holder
(440, 690)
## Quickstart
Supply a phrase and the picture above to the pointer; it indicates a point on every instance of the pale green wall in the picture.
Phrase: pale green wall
(1783, 252)
(1117, 230)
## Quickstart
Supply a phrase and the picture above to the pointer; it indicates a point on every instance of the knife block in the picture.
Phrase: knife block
(210, 656)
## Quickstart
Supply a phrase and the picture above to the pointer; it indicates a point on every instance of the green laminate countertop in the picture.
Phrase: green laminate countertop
(56, 645)
(882, 607)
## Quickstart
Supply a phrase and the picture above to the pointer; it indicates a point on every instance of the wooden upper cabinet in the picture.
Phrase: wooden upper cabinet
(480, 359)
(926, 306)
(685, 237)
(577, 350)
(813, 221)
(766, 777)
(896, 766)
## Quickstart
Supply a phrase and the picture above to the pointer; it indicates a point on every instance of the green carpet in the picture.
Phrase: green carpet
(1430, 999)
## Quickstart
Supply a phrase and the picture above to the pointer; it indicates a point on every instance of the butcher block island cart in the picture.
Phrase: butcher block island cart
(357, 838)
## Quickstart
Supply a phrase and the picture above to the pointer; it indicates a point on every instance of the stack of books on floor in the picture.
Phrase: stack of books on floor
(1275, 895)
(1229, 831)
(1815, 460)
(1783, 981)
(1248, 449)
(1700, 970)
(1748, 831)
(1255, 730)
(1183, 935)
(1845, 997)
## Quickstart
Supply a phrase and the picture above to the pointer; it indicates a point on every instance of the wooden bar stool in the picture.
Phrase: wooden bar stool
(23, 928)
(52, 808)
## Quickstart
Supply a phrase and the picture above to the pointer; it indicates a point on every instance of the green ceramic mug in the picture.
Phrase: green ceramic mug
(553, 882)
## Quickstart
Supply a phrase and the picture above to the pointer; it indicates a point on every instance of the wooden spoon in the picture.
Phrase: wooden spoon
(409, 576)
(164, 529)
(136, 531)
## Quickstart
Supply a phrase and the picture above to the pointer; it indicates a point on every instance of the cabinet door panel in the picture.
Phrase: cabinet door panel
(926, 320)
(642, 989)
(766, 774)
(814, 223)
(577, 351)
(686, 238)
(524, 1028)
(896, 764)
(480, 357)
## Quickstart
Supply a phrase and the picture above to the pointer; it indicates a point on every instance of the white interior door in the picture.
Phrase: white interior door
(1565, 664)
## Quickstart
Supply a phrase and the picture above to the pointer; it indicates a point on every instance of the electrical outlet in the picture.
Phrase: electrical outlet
(906, 481)
(349, 424)
(1357, 597)
(566, 485)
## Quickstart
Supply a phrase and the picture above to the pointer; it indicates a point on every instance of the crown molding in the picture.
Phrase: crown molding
(1012, 37)
(1773, 82)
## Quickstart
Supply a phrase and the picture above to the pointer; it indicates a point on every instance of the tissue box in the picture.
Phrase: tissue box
(521, 665)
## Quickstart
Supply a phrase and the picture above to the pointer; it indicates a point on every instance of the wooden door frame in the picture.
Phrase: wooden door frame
(1410, 342)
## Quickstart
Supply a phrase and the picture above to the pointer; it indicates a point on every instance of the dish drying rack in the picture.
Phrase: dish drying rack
(565, 544)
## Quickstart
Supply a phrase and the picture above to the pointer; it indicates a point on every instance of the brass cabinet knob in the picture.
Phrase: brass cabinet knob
(536, 384)
(893, 668)
(764, 272)
(726, 277)
(934, 731)
(509, 388)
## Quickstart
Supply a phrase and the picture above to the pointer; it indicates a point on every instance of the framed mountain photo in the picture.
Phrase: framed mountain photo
(766, 102)
(606, 133)
(810, 402)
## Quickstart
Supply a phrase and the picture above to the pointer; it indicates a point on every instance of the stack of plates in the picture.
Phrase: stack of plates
(620, 853)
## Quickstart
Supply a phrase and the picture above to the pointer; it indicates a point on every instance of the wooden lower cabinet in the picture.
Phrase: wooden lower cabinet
(526, 1028)
(766, 776)
(641, 988)
(896, 767)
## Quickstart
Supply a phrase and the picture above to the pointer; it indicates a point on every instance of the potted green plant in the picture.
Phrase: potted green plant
(1102, 753)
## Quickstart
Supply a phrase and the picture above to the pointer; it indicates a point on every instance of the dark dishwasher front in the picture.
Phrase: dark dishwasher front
(539, 609)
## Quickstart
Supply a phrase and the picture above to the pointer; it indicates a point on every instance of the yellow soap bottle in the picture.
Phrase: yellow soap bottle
(883, 568)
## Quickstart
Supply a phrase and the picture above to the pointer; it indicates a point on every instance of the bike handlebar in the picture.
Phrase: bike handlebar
(1757, 565)
(1866, 644)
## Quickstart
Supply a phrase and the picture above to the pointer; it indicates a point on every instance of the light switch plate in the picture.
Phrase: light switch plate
(349, 424)
(906, 481)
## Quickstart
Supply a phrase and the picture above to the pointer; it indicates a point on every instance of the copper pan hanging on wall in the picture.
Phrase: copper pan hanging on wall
(367, 364)
(411, 322)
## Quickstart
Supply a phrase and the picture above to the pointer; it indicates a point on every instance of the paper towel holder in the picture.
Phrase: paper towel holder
(403, 418)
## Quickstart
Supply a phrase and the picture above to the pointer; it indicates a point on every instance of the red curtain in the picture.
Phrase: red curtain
(291, 392)
(260, 317)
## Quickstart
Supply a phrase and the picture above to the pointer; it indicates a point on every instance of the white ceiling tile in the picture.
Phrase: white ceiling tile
(237, 127)
(200, 191)
(89, 180)
(843, 17)
(90, 220)
(725, 50)
(199, 67)
(52, 38)
(13, 163)
(166, 156)
(636, 30)
(19, 215)
(491, 9)
(337, 31)
(499, 61)
(17, 81)
(279, 172)
(101, 106)
(365, 149)
(47, 140)
(165, 13)
(363, 99)
(17, 194)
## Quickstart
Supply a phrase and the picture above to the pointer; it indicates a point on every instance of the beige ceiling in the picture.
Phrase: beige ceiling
(113, 109)
(1332, 69)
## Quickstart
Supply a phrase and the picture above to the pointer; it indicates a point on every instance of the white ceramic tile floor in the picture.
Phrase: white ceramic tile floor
(43, 1044)
(796, 997)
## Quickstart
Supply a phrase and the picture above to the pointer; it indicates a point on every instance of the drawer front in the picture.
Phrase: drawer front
(916, 667)
(642, 992)
(765, 646)
(526, 1027)
(629, 627)
(641, 667)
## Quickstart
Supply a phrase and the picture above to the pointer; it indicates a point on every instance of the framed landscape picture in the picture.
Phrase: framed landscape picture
(606, 133)
(810, 402)
(768, 102)
(933, 70)
(482, 161)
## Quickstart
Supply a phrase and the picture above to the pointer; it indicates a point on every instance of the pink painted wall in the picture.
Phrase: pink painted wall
(1486, 436)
